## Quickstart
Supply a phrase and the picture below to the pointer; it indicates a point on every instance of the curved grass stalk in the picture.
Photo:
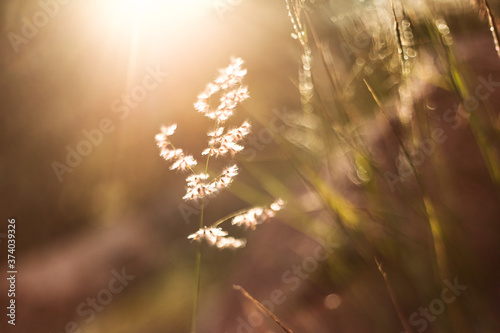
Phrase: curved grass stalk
(230, 216)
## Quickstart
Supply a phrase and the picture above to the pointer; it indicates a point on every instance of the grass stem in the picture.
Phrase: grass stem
(197, 276)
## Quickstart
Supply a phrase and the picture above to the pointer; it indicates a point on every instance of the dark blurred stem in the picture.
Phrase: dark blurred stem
(493, 26)
(399, 311)
(197, 275)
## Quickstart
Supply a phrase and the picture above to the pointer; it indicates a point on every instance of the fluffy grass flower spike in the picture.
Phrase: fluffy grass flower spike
(222, 143)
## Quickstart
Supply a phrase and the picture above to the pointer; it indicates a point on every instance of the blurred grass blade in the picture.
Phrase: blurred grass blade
(493, 26)
(395, 302)
(262, 308)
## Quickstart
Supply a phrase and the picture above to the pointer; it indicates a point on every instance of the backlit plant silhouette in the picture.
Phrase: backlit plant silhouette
(222, 143)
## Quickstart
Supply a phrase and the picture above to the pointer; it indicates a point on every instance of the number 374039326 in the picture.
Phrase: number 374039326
(11, 246)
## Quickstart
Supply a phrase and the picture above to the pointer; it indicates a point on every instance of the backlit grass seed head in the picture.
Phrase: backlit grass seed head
(221, 144)
(197, 187)
(161, 138)
(194, 180)
(226, 178)
(230, 243)
(217, 237)
(232, 74)
(183, 163)
(169, 154)
(257, 215)
(217, 133)
(231, 171)
(221, 141)
(230, 100)
(229, 81)
(239, 133)
(211, 235)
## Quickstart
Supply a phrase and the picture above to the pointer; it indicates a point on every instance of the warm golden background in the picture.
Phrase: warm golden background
(119, 207)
